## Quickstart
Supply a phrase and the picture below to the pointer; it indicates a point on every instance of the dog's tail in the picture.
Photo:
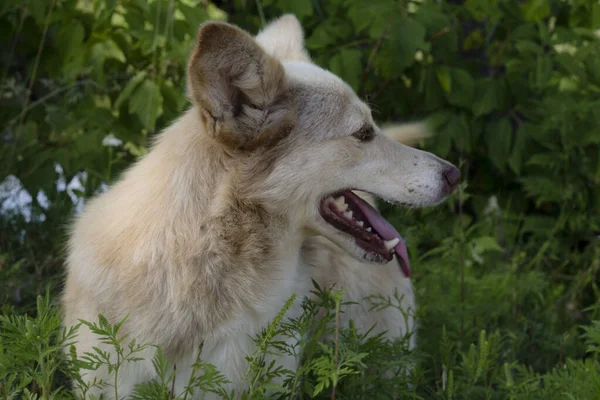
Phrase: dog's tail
(407, 133)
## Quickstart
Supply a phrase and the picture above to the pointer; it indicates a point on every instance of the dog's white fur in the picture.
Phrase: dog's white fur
(201, 240)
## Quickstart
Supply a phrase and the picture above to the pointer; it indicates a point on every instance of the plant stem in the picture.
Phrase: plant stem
(172, 396)
(117, 375)
(337, 341)
(194, 368)
(263, 21)
(462, 258)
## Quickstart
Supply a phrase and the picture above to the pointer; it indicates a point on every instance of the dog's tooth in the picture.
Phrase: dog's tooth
(340, 203)
(390, 244)
(348, 214)
(360, 223)
(368, 229)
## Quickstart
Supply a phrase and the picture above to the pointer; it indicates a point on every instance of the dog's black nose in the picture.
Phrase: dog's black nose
(451, 177)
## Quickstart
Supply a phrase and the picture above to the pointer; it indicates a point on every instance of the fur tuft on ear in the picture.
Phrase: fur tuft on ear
(407, 133)
(240, 90)
(283, 38)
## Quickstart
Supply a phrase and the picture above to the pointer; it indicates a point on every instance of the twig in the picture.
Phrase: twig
(462, 254)
(439, 34)
(381, 89)
(14, 45)
(36, 65)
(56, 92)
(515, 116)
(38, 56)
(173, 383)
(350, 44)
(374, 52)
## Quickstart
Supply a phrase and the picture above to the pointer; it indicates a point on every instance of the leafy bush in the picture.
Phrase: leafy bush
(505, 272)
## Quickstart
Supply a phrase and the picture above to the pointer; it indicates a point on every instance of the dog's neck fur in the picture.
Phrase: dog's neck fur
(220, 241)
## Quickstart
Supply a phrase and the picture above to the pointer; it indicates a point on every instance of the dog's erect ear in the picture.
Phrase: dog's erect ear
(240, 90)
(284, 39)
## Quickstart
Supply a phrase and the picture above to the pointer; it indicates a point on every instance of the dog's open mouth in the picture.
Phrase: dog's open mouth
(354, 216)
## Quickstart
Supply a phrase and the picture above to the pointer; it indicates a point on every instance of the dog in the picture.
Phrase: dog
(200, 241)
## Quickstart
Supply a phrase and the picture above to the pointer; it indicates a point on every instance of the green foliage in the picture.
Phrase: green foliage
(352, 364)
(506, 271)
(31, 353)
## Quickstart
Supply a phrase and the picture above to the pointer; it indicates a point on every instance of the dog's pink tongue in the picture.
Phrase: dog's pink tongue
(384, 229)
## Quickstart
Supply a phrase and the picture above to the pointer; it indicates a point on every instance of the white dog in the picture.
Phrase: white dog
(200, 241)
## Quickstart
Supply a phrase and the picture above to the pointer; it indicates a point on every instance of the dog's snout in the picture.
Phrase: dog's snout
(451, 178)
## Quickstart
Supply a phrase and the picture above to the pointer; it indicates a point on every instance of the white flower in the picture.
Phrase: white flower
(111, 141)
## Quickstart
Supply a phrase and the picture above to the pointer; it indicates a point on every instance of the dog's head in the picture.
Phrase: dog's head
(306, 140)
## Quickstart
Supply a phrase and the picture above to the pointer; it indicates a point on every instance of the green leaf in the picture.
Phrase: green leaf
(432, 91)
(487, 243)
(301, 8)
(131, 85)
(321, 37)
(374, 15)
(487, 97)
(71, 50)
(70, 36)
(595, 16)
(174, 99)
(39, 11)
(545, 160)
(438, 120)
(27, 135)
(347, 65)
(106, 50)
(330, 32)
(463, 88)
(443, 140)
(498, 138)
(102, 51)
(135, 150)
(535, 10)
(515, 160)
(443, 75)
(543, 71)
(194, 16)
(538, 224)
(528, 47)
(146, 103)
(405, 37)
(430, 16)
(457, 130)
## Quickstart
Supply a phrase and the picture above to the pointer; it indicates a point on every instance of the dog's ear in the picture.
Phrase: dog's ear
(240, 90)
(284, 39)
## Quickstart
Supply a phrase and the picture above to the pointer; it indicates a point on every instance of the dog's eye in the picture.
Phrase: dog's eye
(365, 134)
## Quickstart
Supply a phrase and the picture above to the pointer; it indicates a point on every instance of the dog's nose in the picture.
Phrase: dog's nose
(451, 177)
